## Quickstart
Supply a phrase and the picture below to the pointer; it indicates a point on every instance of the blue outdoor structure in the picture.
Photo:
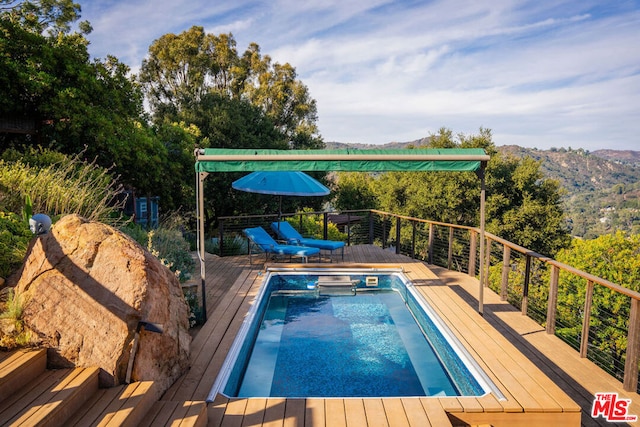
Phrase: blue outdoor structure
(144, 210)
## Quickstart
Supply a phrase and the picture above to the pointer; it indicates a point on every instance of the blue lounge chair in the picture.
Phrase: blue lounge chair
(286, 232)
(264, 241)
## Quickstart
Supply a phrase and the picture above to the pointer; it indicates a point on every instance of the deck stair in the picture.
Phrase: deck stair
(31, 395)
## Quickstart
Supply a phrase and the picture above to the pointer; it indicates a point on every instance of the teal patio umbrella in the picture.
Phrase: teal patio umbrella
(281, 184)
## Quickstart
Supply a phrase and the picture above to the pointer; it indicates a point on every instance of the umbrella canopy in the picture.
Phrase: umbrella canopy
(281, 184)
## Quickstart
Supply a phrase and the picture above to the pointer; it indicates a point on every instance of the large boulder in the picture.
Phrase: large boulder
(88, 287)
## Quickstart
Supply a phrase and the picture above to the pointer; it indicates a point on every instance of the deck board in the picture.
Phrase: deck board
(540, 376)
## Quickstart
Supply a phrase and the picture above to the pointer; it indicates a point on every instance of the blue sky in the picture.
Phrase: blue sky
(539, 74)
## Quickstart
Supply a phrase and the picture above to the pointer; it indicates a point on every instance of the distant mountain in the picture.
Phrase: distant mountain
(602, 187)
(622, 156)
(579, 170)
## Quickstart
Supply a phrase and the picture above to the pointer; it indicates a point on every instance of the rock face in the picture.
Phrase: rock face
(87, 287)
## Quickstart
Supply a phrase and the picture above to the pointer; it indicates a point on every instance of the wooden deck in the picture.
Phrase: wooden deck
(544, 381)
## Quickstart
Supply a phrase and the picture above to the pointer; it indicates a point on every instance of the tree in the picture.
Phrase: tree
(39, 16)
(354, 191)
(76, 105)
(181, 70)
(614, 257)
(521, 206)
(233, 101)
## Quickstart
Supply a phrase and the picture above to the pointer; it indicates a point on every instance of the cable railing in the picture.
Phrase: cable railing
(598, 318)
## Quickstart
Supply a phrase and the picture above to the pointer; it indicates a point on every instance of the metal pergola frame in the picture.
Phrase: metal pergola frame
(234, 160)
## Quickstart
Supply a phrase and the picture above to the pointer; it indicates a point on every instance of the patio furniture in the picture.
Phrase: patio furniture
(286, 232)
(262, 239)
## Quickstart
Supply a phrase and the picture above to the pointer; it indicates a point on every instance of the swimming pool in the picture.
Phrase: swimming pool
(345, 333)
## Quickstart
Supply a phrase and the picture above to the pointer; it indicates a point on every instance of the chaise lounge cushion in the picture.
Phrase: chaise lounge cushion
(286, 232)
(260, 237)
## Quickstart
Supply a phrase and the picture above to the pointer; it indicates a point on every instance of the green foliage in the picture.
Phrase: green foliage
(182, 70)
(522, 206)
(195, 308)
(136, 232)
(69, 187)
(232, 101)
(13, 334)
(40, 15)
(14, 240)
(614, 257)
(27, 210)
(233, 245)
(168, 245)
(354, 191)
(312, 226)
(600, 190)
(79, 105)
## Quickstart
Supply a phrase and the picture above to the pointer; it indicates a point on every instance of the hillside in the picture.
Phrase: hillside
(602, 188)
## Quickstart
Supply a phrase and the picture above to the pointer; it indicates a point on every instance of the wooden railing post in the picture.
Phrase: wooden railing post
(552, 304)
(413, 239)
(221, 238)
(450, 250)
(430, 257)
(525, 288)
(630, 382)
(506, 268)
(487, 262)
(384, 232)
(586, 320)
(398, 235)
(325, 226)
(370, 228)
(348, 228)
(473, 245)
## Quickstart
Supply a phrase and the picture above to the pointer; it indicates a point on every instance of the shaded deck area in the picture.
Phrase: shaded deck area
(545, 381)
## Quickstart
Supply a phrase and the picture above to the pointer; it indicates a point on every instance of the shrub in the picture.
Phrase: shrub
(13, 333)
(312, 225)
(14, 240)
(170, 247)
(167, 244)
(233, 245)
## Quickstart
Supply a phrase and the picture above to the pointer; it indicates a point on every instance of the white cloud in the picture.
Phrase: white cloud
(538, 74)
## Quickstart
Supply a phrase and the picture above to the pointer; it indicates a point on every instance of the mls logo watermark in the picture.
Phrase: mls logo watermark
(612, 408)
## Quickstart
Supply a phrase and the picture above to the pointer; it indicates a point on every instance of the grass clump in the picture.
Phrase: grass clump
(13, 334)
(14, 240)
(66, 186)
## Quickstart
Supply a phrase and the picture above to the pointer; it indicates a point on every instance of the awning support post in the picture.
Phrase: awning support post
(483, 264)
(200, 177)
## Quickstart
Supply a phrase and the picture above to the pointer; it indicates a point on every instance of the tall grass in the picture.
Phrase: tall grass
(70, 186)
(13, 334)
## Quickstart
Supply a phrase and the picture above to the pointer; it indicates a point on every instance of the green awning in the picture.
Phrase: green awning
(247, 160)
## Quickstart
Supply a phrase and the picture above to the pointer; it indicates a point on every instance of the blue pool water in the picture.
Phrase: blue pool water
(304, 340)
